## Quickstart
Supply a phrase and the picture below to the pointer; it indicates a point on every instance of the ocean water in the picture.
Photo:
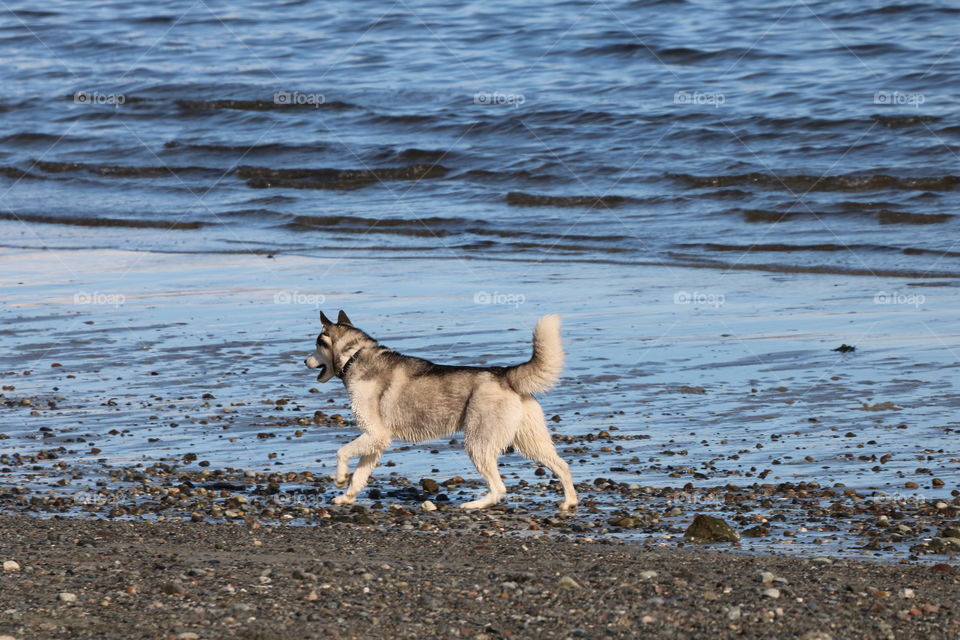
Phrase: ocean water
(811, 136)
(714, 195)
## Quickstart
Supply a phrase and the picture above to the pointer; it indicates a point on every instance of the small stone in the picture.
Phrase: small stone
(733, 613)
(429, 485)
(772, 592)
(174, 588)
(907, 593)
(188, 635)
(766, 576)
(648, 575)
(67, 597)
(426, 505)
(709, 529)
(11, 565)
(568, 583)
(647, 619)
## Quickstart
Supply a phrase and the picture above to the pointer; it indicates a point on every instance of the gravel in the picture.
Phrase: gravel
(171, 579)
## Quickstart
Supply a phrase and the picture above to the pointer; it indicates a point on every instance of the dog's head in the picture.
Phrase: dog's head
(329, 346)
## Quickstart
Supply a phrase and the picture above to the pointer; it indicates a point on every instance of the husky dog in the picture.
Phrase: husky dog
(398, 396)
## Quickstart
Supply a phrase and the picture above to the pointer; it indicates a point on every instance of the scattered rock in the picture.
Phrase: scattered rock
(174, 588)
(11, 565)
(937, 546)
(426, 505)
(568, 583)
(67, 597)
(771, 592)
(707, 529)
(429, 485)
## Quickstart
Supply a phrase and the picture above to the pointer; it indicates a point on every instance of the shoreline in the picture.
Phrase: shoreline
(186, 580)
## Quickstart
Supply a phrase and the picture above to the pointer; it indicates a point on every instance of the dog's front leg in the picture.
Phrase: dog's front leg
(344, 455)
(369, 448)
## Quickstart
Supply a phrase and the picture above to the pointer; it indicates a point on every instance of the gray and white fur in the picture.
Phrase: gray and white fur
(411, 399)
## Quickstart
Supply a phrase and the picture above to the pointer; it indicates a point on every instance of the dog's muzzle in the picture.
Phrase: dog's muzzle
(315, 363)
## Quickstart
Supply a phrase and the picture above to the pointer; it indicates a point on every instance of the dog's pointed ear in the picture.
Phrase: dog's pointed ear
(343, 319)
(324, 320)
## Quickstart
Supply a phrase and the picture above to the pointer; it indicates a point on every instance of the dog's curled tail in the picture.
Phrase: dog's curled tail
(543, 369)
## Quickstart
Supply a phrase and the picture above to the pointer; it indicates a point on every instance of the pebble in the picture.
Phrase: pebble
(907, 593)
(188, 635)
(733, 613)
(648, 575)
(173, 588)
(568, 583)
(772, 592)
(11, 565)
(426, 505)
(68, 597)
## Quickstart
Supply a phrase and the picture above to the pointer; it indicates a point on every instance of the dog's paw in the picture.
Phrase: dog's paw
(344, 499)
(475, 504)
(568, 505)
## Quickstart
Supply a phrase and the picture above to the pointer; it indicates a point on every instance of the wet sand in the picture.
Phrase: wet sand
(94, 579)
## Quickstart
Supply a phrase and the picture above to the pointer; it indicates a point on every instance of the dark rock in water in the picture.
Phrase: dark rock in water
(406, 493)
(950, 532)
(844, 348)
(709, 529)
(429, 485)
(758, 531)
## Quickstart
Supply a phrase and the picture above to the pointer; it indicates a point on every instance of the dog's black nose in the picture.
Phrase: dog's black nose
(305, 363)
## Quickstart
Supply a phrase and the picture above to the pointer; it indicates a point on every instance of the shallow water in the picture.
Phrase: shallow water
(736, 390)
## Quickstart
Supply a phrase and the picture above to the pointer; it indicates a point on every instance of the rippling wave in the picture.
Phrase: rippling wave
(632, 134)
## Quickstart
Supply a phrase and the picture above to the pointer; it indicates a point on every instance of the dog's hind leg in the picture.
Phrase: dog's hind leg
(485, 437)
(533, 441)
